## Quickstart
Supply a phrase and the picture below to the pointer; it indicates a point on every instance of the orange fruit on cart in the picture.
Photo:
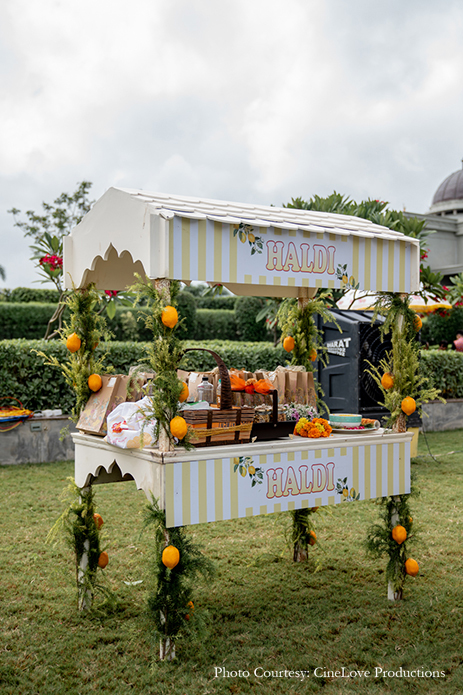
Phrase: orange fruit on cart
(313, 538)
(313, 355)
(103, 559)
(418, 323)
(169, 316)
(73, 342)
(185, 393)
(94, 382)
(170, 557)
(98, 519)
(408, 405)
(178, 427)
(288, 343)
(411, 567)
(399, 534)
(387, 381)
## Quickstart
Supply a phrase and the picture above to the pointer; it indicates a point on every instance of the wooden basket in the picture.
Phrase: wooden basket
(224, 425)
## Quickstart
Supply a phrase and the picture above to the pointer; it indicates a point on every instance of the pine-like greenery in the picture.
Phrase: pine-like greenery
(164, 355)
(90, 326)
(171, 603)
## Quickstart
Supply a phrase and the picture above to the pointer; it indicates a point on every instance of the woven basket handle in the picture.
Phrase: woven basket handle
(226, 394)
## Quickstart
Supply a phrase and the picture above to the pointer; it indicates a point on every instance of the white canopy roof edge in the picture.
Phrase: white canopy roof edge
(284, 252)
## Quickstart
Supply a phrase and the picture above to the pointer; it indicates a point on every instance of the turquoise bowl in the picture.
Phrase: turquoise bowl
(339, 420)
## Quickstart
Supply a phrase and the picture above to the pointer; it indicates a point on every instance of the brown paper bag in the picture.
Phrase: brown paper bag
(93, 417)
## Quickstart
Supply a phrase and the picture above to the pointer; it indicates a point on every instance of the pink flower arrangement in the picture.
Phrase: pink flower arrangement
(55, 262)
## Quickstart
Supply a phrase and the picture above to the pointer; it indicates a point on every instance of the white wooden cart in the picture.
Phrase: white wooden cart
(279, 252)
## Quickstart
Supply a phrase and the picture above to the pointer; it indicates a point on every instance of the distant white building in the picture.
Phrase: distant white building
(445, 218)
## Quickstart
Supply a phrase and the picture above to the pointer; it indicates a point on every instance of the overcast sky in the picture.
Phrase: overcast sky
(254, 101)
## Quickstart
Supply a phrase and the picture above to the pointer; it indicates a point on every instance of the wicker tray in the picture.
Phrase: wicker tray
(215, 427)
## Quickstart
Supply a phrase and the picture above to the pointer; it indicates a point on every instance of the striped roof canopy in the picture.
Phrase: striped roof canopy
(251, 249)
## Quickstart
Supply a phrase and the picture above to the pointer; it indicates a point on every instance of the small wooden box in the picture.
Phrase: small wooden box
(233, 426)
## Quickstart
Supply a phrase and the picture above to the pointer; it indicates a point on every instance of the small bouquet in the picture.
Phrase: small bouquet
(294, 411)
(318, 427)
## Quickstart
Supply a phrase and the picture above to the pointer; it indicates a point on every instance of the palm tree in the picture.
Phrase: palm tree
(2, 273)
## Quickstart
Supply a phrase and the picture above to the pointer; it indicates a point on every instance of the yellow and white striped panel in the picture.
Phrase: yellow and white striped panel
(208, 251)
(211, 490)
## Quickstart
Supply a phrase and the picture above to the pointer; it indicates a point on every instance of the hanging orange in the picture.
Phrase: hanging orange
(399, 534)
(185, 393)
(103, 560)
(170, 557)
(411, 567)
(169, 316)
(288, 343)
(408, 405)
(387, 381)
(313, 355)
(418, 323)
(98, 519)
(94, 382)
(73, 342)
(178, 427)
(313, 538)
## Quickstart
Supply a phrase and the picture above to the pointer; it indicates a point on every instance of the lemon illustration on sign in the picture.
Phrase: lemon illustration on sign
(352, 280)
(345, 279)
(251, 237)
(345, 492)
(243, 472)
(251, 470)
(352, 492)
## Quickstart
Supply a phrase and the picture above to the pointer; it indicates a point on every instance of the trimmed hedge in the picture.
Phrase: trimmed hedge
(30, 294)
(24, 320)
(445, 367)
(217, 302)
(24, 375)
(211, 323)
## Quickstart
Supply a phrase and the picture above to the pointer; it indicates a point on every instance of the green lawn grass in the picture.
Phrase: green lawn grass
(262, 611)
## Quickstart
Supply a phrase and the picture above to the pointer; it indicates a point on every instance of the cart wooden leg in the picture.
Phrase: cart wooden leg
(394, 595)
(84, 591)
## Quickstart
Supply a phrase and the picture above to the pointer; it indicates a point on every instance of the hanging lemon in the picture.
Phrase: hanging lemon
(103, 560)
(399, 534)
(313, 355)
(73, 342)
(288, 343)
(387, 381)
(418, 323)
(98, 519)
(185, 393)
(178, 427)
(170, 557)
(408, 405)
(169, 316)
(312, 537)
(411, 567)
(94, 382)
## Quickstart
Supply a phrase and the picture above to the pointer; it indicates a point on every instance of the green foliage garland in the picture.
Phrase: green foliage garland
(298, 322)
(164, 355)
(379, 542)
(301, 536)
(91, 329)
(403, 361)
(170, 605)
(81, 534)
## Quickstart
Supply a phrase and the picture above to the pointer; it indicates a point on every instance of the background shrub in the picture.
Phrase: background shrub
(30, 294)
(217, 302)
(445, 367)
(24, 375)
(26, 320)
(213, 323)
(442, 326)
(246, 310)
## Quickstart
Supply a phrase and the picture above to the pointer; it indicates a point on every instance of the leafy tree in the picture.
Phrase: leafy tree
(2, 272)
(59, 217)
(47, 230)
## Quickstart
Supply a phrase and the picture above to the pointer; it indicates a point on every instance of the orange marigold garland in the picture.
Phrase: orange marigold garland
(318, 427)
